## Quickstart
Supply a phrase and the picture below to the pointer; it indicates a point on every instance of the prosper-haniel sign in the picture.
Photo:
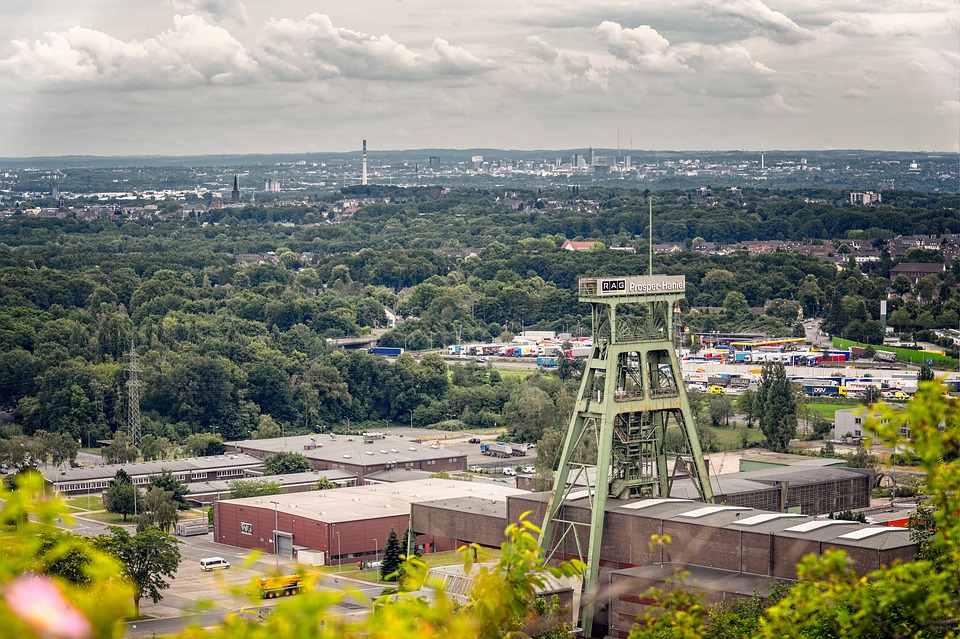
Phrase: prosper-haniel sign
(641, 285)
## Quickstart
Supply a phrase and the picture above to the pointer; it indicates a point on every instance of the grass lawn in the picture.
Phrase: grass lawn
(111, 518)
(93, 502)
(730, 438)
(828, 410)
(521, 373)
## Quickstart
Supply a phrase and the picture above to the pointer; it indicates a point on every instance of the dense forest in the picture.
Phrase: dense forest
(239, 350)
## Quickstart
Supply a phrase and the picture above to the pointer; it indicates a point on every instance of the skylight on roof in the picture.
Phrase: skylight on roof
(765, 517)
(864, 533)
(807, 526)
(649, 503)
(709, 510)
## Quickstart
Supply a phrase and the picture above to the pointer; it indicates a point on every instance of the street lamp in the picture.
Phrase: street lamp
(339, 554)
(276, 525)
(376, 557)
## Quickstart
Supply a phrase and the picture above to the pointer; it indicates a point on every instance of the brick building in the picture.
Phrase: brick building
(731, 551)
(351, 524)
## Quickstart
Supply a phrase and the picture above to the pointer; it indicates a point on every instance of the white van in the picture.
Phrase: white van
(509, 471)
(213, 563)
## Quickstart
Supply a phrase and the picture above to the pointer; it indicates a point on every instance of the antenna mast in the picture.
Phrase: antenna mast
(133, 397)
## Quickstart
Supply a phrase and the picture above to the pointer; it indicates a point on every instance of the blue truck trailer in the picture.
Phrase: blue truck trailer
(386, 351)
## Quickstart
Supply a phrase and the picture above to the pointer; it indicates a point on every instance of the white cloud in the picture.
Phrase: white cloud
(856, 92)
(539, 72)
(760, 17)
(217, 11)
(949, 107)
(192, 52)
(642, 47)
(315, 44)
(776, 104)
(457, 60)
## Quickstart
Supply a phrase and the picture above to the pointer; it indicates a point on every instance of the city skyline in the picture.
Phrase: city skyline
(222, 76)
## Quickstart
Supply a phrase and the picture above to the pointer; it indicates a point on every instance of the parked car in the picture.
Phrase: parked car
(510, 471)
(474, 440)
(528, 470)
(476, 469)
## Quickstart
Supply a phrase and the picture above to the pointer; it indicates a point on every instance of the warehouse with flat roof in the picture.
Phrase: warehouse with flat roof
(351, 524)
(359, 454)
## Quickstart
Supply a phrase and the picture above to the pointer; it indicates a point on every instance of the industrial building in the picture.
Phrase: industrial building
(207, 492)
(811, 486)
(359, 454)
(729, 551)
(95, 479)
(345, 525)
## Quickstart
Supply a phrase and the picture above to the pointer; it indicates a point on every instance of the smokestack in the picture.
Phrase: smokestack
(364, 179)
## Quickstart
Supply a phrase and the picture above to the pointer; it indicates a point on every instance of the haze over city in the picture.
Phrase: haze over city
(223, 76)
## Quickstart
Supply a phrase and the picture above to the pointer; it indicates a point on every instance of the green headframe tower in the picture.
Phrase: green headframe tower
(632, 390)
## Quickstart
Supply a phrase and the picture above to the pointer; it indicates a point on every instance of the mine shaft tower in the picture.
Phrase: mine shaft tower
(631, 389)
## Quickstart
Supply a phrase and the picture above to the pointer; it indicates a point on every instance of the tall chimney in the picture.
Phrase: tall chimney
(363, 180)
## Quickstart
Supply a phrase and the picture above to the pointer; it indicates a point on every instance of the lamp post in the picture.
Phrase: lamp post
(376, 558)
(276, 525)
(339, 554)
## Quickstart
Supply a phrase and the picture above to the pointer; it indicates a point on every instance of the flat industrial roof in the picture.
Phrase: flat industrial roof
(378, 500)
(349, 449)
(709, 578)
(744, 519)
(136, 469)
(290, 479)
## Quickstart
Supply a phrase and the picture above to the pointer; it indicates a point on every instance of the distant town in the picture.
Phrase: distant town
(84, 181)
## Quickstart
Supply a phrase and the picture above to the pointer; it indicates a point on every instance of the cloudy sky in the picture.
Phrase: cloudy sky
(175, 77)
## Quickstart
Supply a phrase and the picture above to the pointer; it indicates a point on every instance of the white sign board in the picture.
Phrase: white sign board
(641, 285)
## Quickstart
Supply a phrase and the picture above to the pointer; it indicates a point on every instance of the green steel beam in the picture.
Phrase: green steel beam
(632, 385)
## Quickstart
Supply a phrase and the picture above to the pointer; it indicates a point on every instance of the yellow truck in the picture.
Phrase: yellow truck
(272, 587)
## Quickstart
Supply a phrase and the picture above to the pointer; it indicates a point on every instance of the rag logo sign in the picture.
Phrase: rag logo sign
(613, 286)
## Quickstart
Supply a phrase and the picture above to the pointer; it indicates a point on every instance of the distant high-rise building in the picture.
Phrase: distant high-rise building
(271, 186)
(590, 157)
(865, 198)
(434, 163)
(477, 161)
(363, 179)
(627, 162)
(235, 195)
